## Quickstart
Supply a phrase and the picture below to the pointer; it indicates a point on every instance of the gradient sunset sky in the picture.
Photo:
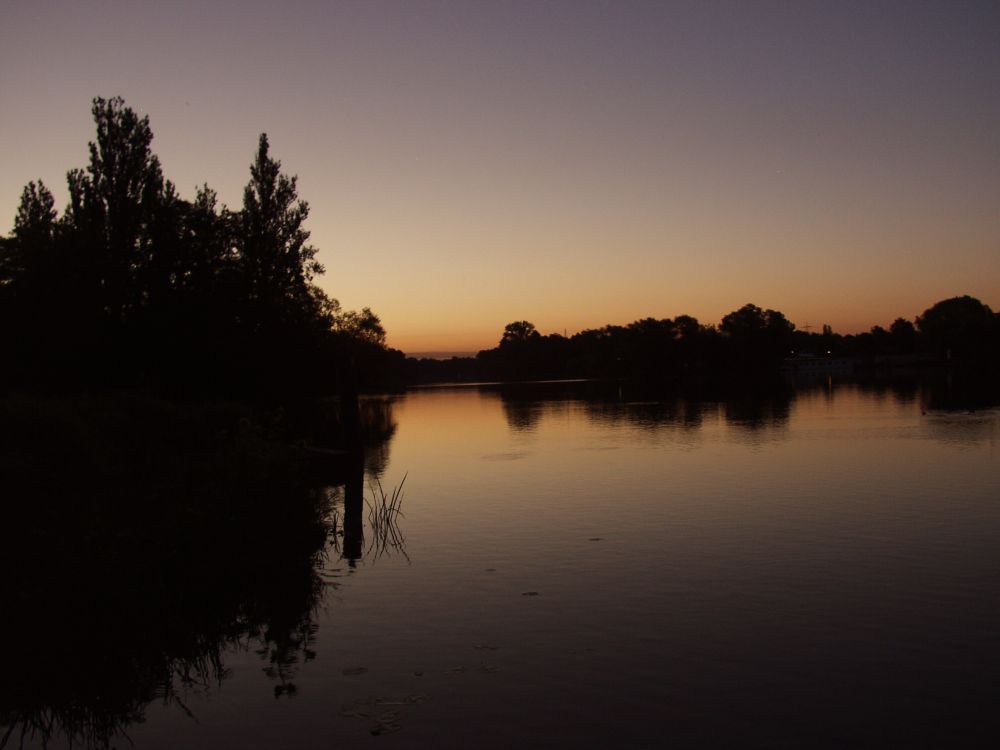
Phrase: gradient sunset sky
(570, 163)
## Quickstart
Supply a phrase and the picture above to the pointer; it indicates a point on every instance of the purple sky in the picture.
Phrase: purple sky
(570, 163)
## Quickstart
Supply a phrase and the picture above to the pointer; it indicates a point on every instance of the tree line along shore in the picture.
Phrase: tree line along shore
(134, 288)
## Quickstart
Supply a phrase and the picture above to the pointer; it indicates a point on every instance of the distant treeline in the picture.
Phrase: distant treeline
(134, 287)
(748, 341)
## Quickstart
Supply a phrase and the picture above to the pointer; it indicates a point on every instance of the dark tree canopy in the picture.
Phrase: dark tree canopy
(27, 253)
(902, 327)
(750, 321)
(134, 286)
(36, 214)
(518, 332)
(277, 264)
(959, 327)
(113, 202)
(362, 326)
(758, 336)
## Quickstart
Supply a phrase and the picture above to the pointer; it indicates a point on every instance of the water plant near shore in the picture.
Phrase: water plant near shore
(384, 512)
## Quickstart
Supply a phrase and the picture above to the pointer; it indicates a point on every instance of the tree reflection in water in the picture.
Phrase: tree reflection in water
(128, 578)
(751, 406)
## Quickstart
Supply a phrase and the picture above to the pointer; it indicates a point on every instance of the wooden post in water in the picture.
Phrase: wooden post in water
(350, 408)
(354, 508)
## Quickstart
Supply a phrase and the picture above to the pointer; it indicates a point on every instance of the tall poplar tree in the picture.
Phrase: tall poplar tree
(112, 203)
(277, 263)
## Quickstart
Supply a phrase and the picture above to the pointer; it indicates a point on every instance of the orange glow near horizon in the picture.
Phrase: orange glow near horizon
(573, 164)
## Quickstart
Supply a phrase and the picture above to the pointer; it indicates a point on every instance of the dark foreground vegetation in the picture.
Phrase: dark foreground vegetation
(749, 343)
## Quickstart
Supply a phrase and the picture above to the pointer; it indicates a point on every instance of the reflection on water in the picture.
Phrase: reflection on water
(584, 564)
(136, 589)
(764, 406)
(351, 507)
(112, 617)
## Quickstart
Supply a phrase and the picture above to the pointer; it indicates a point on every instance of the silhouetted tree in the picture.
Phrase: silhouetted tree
(136, 287)
(362, 326)
(747, 322)
(649, 346)
(277, 264)
(112, 204)
(36, 287)
(904, 336)
(518, 332)
(26, 256)
(757, 337)
(36, 215)
(961, 328)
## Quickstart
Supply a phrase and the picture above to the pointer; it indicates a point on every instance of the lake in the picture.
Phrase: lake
(583, 565)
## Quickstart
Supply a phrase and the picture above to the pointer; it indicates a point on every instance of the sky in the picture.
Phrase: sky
(572, 163)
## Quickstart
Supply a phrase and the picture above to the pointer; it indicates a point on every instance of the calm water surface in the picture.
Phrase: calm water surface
(819, 568)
